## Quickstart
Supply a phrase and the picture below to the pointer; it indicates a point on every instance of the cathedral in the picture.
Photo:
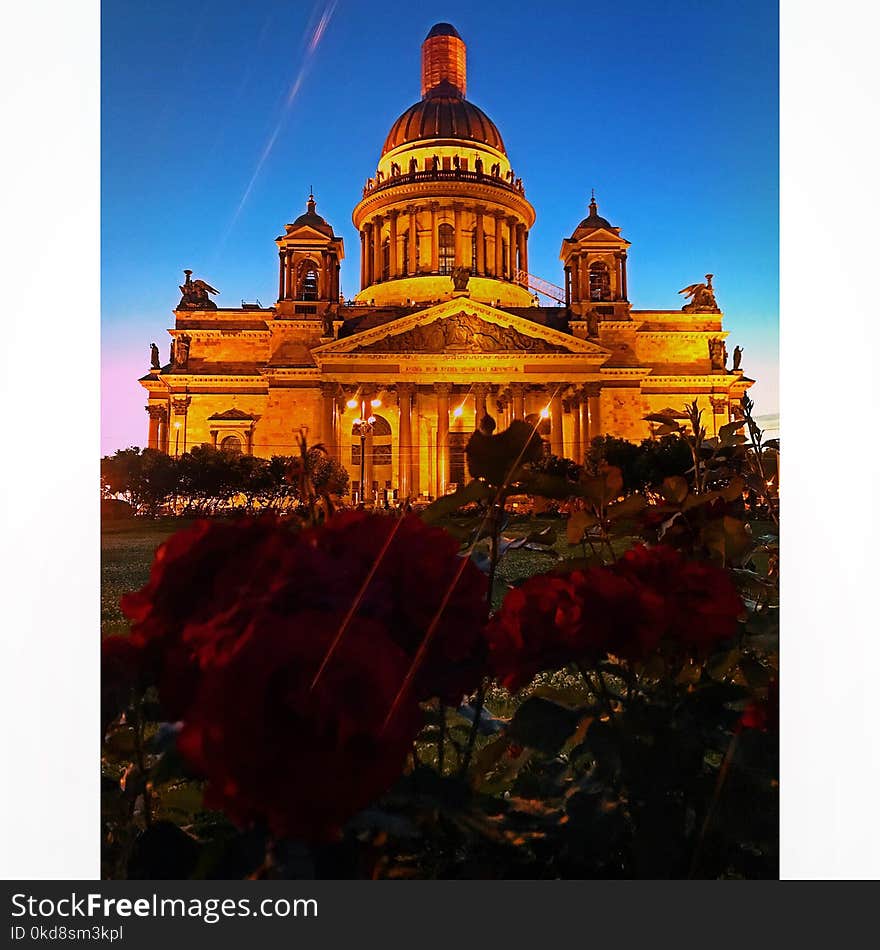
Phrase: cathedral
(449, 325)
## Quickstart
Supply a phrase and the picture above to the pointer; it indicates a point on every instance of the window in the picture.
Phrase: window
(231, 444)
(307, 286)
(382, 455)
(446, 248)
(600, 281)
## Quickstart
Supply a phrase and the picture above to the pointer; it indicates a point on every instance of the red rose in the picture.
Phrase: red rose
(700, 605)
(302, 761)
(554, 619)
(207, 582)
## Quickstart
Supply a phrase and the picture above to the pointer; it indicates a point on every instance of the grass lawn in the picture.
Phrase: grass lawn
(127, 549)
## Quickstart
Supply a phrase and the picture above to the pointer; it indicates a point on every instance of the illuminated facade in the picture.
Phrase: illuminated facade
(447, 325)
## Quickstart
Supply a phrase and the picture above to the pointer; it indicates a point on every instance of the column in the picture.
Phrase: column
(481, 391)
(585, 277)
(281, 287)
(249, 441)
(583, 428)
(511, 248)
(623, 276)
(525, 249)
(518, 392)
(324, 279)
(163, 432)
(363, 259)
(368, 255)
(377, 249)
(456, 223)
(442, 390)
(393, 268)
(328, 417)
(405, 393)
(557, 446)
(521, 245)
(155, 414)
(595, 421)
(290, 291)
(435, 240)
(413, 241)
(575, 278)
(481, 242)
(499, 245)
(367, 487)
(567, 286)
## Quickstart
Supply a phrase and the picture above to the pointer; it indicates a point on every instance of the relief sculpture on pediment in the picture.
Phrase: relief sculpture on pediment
(462, 333)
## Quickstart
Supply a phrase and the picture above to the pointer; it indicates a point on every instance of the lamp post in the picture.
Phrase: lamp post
(364, 425)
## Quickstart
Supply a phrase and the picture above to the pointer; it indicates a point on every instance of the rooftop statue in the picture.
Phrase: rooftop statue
(701, 297)
(737, 357)
(460, 277)
(195, 294)
(154, 356)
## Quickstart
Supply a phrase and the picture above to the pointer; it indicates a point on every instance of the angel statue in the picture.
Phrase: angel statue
(460, 277)
(701, 297)
(154, 356)
(195, 294)
(737, 357)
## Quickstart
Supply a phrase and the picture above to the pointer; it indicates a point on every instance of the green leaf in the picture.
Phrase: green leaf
(448, 504)
(543, 725)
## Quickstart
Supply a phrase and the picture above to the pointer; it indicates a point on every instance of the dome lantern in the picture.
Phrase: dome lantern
(444, 62)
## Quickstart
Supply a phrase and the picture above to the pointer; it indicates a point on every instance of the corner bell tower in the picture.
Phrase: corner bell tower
(309, 256)
(594, 258)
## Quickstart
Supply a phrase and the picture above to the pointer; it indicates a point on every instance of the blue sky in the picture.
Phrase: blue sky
(217, 117)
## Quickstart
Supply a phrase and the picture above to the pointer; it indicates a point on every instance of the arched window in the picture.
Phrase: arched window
(386, 259)
(307, 285)
(231, 444)
(446, 248)
(600, 281)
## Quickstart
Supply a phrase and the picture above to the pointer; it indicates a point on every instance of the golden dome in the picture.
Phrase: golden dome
(445, 115)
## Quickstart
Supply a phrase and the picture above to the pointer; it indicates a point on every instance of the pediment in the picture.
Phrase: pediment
(460, 326)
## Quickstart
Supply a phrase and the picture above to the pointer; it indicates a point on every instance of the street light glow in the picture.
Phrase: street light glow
(375, 403)
(458, 411)
(545, 412)
(352, 404)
